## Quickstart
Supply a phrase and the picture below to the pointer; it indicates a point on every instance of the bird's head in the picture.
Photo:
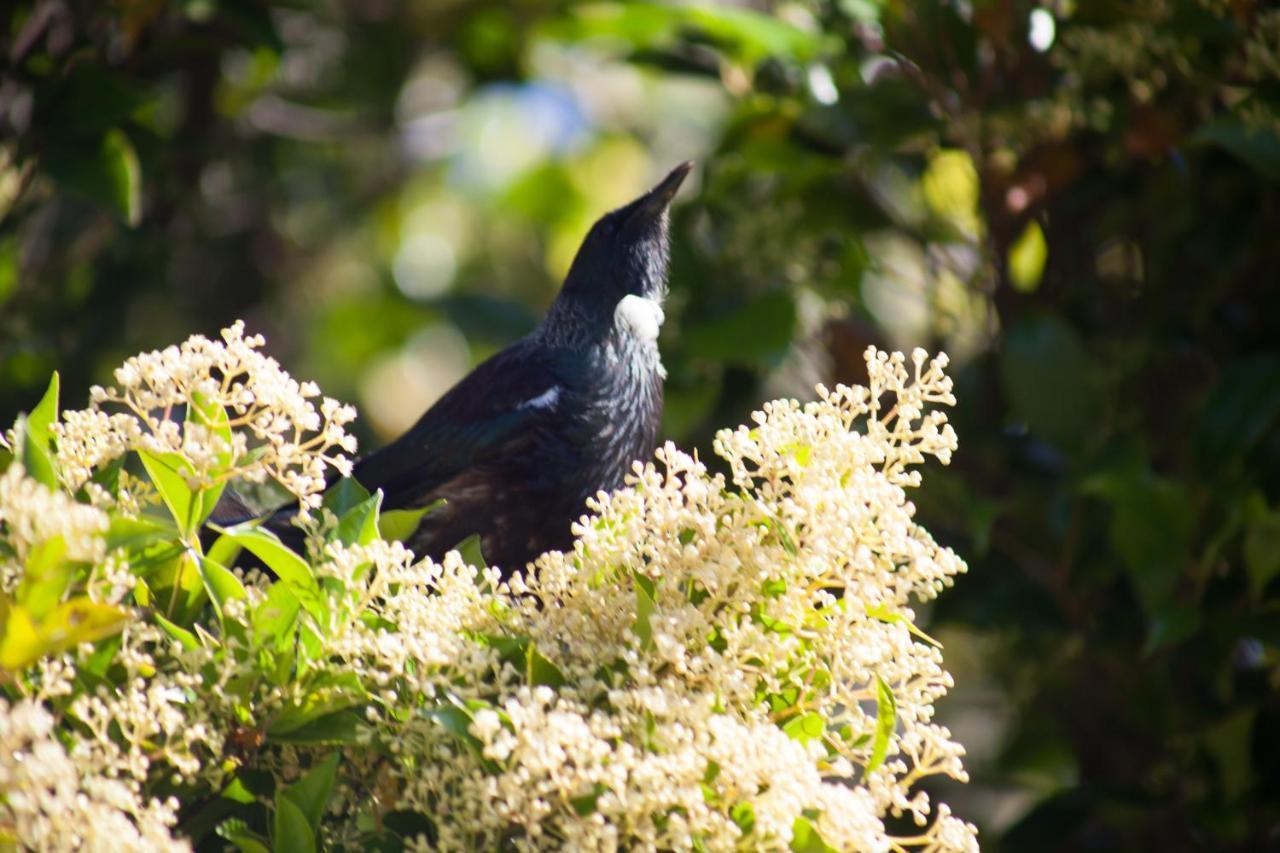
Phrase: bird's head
(623, 255)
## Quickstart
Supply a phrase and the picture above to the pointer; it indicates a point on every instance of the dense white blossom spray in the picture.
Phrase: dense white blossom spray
(718, 663)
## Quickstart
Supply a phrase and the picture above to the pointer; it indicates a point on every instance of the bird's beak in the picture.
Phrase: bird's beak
(655, 201)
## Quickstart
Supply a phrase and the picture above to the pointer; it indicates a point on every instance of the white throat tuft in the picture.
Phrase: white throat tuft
(640, 316)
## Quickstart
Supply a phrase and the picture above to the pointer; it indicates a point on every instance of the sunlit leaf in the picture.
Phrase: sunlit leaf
(187, 639)
(1027, 257)
(806, 839)
(166, 471)
(886, 720)
(292, 831)
(400, 524)
(311, 792)
(36, 439)
(645, 605)
(805, 727)
(339, 727)
(221, 583)
(45, 578)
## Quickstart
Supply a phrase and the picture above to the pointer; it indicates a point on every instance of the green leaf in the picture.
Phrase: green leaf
(1048, 376)
(36, 441)
(340, 727)
(213, 417)
(359, 524)
(1240, 411)
(1256, 145)
(287, 566)
(806, 727)
(246, 841)
(1152, 525)
(586, 804)
(400, 524)
(539, 670)
(237, 791)
(187, 639)
(1262, 546)
(135, 532)
(327, 693)
(1027, 257)
(469, 548)
(645, 605)
(224, 550)
(311, 792)
(20, 643)
(886, 719)
(757, 333)
(80, 620)
(220, 582)
(45, 577)
(166, 473)
(456, 718)
(805, 838)
(292, 832)
(124, 175)
(344, 495)
(744, 815)
(275, 619)
(268, 548)
(884, 614)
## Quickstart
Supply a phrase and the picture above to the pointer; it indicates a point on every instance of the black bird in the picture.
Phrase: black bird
(520, 443)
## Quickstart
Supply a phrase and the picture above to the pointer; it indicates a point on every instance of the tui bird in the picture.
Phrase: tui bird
(520, 443)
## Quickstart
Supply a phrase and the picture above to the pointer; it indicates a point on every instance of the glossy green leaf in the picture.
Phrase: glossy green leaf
(36, 439)
(138, 531)
(71, 623)
(275, 619)
(166, 472)
(45, 578)
(886, 720)
(214, 418)
(400, 524)
(311, 792)
(337, 728)
(645, 605)
(806, 839)
(539, 670)
(359, 524)
(344, 496)
(220, 583)
(469, 548)
(805, 727)
(1027, 258)
(884, 614)
(292, 832)
(187, 639)
(246, 841)
(287, 566)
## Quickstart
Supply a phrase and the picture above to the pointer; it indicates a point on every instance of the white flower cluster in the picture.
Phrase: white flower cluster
(713, 654)
(294, 439)
(31, 513)
(720, 662)
(50, 801)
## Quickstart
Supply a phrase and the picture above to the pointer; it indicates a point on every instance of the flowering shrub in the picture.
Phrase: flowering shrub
(719, 662)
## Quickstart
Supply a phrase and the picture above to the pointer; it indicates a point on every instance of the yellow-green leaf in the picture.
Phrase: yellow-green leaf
(166, 471)
(886, 719)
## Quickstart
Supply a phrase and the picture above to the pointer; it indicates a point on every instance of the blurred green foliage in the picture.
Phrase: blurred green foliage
(1078, 199)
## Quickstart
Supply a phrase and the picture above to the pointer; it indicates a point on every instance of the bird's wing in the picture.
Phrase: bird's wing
(486, 414)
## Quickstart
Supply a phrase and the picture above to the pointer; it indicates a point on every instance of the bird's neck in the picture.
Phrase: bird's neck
(631, 325)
